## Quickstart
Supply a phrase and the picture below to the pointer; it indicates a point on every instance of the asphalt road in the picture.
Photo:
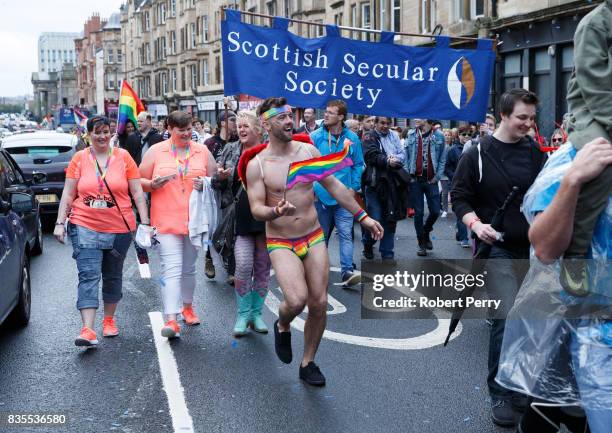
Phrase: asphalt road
(238, 385)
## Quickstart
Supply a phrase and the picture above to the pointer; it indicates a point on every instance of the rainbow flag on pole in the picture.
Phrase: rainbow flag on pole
(315, 169)
(129, 106)
(79, 118)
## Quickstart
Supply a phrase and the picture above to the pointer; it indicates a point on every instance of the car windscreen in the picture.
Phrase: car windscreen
(40, 154)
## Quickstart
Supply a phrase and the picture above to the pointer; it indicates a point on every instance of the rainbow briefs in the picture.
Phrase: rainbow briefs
(299, 246)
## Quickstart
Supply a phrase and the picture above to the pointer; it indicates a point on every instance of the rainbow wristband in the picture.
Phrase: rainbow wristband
(360, 215)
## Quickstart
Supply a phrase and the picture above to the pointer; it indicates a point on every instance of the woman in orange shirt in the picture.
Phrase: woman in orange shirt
(100, 238)
(170, 171)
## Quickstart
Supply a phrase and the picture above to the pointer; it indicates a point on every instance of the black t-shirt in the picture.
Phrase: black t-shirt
(516, 159)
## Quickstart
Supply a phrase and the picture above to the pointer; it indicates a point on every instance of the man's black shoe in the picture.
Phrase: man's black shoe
(312, 375)
(519, 402)
(422, 251)
(368, 252)
(502, 413)
(349, 279)
(427, 241)
(282, 344)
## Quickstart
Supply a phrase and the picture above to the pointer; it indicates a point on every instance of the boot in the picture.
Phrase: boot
(243, 304)
(255, 321)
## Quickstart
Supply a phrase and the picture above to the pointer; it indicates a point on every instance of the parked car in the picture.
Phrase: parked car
(47, 152)
(15, 250)
(21, 190)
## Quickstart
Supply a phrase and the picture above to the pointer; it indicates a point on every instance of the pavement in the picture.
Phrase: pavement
(215, 383)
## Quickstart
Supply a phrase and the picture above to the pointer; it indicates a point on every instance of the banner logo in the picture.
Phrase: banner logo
(461, 90)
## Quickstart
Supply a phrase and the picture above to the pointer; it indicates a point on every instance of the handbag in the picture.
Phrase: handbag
(223, 237)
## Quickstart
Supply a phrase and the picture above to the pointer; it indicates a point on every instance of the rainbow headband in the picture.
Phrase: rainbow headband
(275, 111)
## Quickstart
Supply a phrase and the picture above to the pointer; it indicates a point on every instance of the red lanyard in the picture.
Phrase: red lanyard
(100, 176)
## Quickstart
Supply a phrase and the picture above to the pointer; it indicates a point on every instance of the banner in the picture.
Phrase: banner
(375, 78)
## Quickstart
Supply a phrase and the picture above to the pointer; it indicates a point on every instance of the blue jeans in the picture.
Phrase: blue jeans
(419, 189)
(504, 278)
(461, 231)
(593, 376)
(336, 216)
(98, 256)
(375, 210)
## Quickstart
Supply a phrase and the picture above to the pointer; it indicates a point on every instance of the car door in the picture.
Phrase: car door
(17, 183)
(10, 251)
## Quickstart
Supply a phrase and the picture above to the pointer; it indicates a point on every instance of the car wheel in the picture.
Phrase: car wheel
(37, 249)
(20, 316)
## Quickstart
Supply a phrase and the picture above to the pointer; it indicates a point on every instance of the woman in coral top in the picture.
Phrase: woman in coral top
(170, 170)
(100, 238)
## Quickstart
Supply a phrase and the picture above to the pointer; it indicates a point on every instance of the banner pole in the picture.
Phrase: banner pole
(358, 29)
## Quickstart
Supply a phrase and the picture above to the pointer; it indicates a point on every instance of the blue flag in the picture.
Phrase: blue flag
(375, 78)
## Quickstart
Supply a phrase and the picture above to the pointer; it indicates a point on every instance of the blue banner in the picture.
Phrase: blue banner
(375, 78)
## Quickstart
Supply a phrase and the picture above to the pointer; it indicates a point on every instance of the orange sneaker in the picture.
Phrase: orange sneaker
(87, 338)
(189, 316)
(109, 328)
(171, 329)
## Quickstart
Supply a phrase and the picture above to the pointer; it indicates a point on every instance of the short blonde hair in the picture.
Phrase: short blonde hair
(252, 119)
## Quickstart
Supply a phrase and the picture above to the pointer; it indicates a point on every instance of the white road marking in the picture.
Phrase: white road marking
(181, 420)
(433, 338)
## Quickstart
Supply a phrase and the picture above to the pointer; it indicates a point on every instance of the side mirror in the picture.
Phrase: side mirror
(5, 207)
(21, 203)
(38, 177)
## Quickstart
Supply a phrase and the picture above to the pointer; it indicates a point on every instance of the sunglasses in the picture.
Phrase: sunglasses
(557, 140)
(466, 135)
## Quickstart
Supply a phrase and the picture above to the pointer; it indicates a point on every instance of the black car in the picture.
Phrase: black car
(21, 191)
(18, 209)
(47, 152)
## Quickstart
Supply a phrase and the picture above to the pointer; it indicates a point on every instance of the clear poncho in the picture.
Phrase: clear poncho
(552, 349)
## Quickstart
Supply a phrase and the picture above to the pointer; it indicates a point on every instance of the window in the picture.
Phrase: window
(173, 79)
(512, 64)
(172, 8)
(338, 19)
(192, 3)
(354, 19)
(205, 76)
(147, 21)
(157, 86)
(476, 8)
(428, 15)
(396, 19)
(148, 52)
(383, 15)
(366, 22)
(319, 31)
(156, 49)
(456, 10)
(161, 13)
(183, 79)
(194, 40)
(119, 55)
(542, 61)
(140, 56)
(164, 51)
(288, 8)
(110, 56)
(182, 39)
(164, 83)
(173, 42)
(111, 81)
(271, 6)
(205, 28)
(217, 70)
(194, 76)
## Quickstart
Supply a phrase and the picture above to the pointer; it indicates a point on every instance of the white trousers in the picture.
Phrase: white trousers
(178, 261)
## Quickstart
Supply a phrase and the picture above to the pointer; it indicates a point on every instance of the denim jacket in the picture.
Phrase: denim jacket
(349, 176)
(438, 153)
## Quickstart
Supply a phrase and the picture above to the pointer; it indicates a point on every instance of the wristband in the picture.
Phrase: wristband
(475, 220)
(59, 223)
(276, 212)
(360, 215)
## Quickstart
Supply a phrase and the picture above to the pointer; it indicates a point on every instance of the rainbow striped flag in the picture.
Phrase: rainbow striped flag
(315, 169)
(129, 107)
(79, 118)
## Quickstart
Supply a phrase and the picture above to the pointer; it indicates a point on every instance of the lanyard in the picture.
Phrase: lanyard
(182, 171)
(100, 175)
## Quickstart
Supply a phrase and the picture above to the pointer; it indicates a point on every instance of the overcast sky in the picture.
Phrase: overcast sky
(21, 22)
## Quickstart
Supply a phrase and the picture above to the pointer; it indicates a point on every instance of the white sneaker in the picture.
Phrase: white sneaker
(444, 214)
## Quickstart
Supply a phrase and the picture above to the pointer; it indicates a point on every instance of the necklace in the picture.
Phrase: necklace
(182, 166)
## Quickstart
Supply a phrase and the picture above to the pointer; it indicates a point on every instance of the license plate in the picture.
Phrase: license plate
(47, 198)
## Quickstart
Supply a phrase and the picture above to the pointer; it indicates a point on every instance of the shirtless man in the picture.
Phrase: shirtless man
(295, 240)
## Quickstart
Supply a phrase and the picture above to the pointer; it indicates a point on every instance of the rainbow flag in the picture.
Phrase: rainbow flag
(79, 118)
(129, 106)
(315, 169)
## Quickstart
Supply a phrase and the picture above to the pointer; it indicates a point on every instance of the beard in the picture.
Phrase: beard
(282, 135)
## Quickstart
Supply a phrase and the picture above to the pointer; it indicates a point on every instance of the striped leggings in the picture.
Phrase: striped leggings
(252, 264)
